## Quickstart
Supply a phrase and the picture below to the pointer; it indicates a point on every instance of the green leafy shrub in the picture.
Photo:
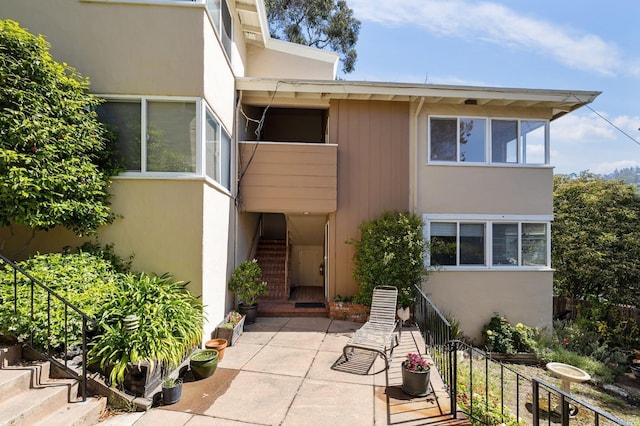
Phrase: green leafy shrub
(500, 336)
(82, 278)
(170, 324)
(246, 282)
(390, 252)
(56, 159)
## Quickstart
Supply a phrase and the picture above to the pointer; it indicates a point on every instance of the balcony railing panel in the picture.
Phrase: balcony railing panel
(288, 177)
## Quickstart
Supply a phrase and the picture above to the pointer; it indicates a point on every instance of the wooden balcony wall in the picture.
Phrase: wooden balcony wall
(288, 177)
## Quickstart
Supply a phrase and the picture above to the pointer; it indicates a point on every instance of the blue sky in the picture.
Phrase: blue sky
(567, 44)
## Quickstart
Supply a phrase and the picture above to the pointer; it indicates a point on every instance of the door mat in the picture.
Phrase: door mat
(310, 305)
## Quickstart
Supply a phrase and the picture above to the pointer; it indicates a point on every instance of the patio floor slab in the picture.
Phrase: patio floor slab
(279, 373)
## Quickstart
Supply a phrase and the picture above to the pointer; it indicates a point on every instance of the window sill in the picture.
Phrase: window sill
(494, 269)
(496, 165)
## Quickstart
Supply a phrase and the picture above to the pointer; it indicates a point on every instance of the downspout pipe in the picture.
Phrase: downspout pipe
(413, 159)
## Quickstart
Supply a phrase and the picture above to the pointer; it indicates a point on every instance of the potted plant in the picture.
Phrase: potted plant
(203, 363)
(415, 375)
(171, 390)
(133, 352)
(230, 328)
(246, 282)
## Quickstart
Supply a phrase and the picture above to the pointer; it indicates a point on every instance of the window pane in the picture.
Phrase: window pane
(225, 169)
(534, 244)
(171, 137)
(213, 6)
(472, 244)
(123, 119)
(504, 141)
(212, 148)
(505, 244)
(443, 139)
(443, 243)
(226, 29)
(533, 141)
(472, 140)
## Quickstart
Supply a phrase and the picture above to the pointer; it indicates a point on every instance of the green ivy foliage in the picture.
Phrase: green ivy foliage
(84, 279)
(100, 284)
(390, 252)
(55, 156)
(595, 239)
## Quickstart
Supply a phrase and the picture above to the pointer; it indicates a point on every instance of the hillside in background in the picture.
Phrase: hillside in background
(628, 175)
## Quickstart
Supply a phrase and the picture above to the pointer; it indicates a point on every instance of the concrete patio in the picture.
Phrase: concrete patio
(279, 373)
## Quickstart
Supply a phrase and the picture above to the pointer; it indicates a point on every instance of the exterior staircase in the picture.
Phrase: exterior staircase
(272, 258)
(32, 394)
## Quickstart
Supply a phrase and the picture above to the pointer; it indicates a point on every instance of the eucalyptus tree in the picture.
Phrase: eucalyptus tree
(325, 24)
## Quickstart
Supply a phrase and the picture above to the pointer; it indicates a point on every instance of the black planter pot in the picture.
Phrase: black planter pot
(251, 312)
(173, 394)
(415, 383)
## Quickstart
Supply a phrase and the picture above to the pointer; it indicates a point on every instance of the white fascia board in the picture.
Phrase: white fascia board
(416, 90)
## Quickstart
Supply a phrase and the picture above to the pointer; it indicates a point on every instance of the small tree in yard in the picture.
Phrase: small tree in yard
(55, 157)
(595, 239)
(390, 252)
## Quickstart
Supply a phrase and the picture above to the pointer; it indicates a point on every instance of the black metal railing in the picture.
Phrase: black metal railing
(24, 305)
(436, 332)
(555, 405)
(490, 392)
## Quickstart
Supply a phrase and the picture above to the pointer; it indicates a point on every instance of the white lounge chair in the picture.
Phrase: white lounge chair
(378, 334)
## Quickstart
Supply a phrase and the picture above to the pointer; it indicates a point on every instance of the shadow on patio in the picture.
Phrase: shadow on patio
(279, 373)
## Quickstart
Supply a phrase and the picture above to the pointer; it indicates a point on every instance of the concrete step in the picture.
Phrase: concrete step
(32, 405)
(28, 395)
(76, 413)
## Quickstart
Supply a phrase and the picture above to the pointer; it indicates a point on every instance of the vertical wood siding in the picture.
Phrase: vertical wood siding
(373, 175)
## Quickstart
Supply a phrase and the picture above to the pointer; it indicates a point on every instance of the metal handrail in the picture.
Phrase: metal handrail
(564, 405)
(436, 331)
(86, 320)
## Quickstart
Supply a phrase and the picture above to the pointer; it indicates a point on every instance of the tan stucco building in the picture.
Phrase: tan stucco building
(231, 137)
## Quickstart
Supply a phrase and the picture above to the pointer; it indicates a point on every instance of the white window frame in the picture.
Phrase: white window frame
(201, 107)
(521, 155)
(488, 221)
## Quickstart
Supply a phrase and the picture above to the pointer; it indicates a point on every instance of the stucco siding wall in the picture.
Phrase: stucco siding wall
(219, 81)
(373, 161)
(123, 48)
(161, 225)
(472, 297)
(268, 63)
(217, 254)
(485, 190)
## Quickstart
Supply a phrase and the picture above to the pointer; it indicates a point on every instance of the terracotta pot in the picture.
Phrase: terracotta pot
(219, 345)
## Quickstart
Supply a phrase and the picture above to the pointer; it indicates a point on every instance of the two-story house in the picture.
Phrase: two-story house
(235, 142)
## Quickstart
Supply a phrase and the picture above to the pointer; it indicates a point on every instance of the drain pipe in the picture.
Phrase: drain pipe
(413, 164)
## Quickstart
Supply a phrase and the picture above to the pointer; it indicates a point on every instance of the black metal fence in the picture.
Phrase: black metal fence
(26, 290)
(490, 392)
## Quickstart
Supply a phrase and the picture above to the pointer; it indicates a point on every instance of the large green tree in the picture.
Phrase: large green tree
(596, 239)
(55, 157)
(318, 23)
